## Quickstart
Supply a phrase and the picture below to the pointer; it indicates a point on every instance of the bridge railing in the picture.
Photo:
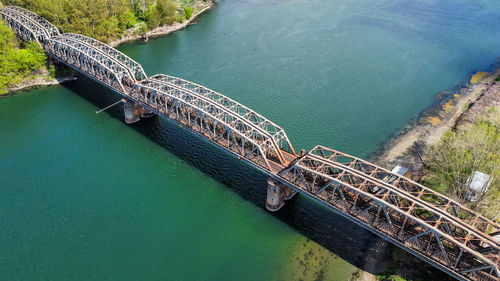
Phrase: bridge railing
(394, 214)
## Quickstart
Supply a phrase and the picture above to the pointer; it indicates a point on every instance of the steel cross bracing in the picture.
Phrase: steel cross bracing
(210, 119)
(395, 214)
(50, 29)
(134, 67)
(433, 199)
(274, 130)
(25, 27)
(91, 61)
(115, 59)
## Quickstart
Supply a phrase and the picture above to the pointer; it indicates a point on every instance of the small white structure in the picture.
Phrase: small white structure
(477, 185)
(399, 170)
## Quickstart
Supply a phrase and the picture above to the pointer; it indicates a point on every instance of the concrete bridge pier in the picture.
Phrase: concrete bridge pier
(133, 112)
(277, 193)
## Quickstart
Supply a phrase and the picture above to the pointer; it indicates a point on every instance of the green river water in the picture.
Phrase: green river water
(85, 197)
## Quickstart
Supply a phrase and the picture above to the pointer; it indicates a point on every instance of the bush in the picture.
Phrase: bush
(188, 12)
(52, 71)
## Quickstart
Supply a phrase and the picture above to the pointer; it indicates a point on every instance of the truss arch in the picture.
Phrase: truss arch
(209, 119)
(278, 134)
(86, 62)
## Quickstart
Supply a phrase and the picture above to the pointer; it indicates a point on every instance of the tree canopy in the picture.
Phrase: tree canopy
(107, 19)
(17, 63)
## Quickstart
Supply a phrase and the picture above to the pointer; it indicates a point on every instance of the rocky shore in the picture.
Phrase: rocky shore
(465, 106)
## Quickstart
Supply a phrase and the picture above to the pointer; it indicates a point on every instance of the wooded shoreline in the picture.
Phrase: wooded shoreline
(45, 80)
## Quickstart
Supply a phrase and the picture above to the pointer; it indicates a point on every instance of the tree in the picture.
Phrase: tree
(17, 64)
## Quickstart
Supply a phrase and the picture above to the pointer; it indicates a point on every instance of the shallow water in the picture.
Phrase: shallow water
(86, 197)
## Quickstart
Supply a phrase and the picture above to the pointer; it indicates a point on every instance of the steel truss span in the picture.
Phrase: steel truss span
(378, 203)
(24, 27)
(89, 61)
(440, 203)
(50, 29)
(210, 119)
(278, 134)
(134, 67)
(109, 67)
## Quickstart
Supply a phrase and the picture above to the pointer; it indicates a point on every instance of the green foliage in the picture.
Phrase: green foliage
(163, 12)
(188, 12)
(15, 63)
(52, 71)
(472, 147)
(103, 19)
(392, 277)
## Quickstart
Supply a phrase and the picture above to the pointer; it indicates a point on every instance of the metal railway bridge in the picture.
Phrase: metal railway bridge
(423, 222)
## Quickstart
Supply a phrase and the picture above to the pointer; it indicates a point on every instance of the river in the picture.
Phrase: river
(85, 197)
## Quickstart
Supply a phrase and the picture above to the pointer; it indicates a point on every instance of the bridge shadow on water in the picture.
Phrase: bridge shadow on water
(327, 228)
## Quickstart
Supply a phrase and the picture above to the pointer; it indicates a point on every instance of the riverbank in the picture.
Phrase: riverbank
(408, 148)
(133, 35)
(38, 82)
(42, 78)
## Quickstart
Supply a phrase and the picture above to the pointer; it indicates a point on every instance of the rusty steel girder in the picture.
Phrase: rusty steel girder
(435, 200)
(135, 69)
(50, 29)
(88, 62)
(91, 60)
(278, 134)
(209, 119)
(395, 214)
(24, 27)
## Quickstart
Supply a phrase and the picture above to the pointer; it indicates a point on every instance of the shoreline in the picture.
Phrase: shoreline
(38, 82)
(408, 146)
(161, 30)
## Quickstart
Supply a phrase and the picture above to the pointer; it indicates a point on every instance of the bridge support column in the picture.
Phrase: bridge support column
(133, 112)
(277, 193)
